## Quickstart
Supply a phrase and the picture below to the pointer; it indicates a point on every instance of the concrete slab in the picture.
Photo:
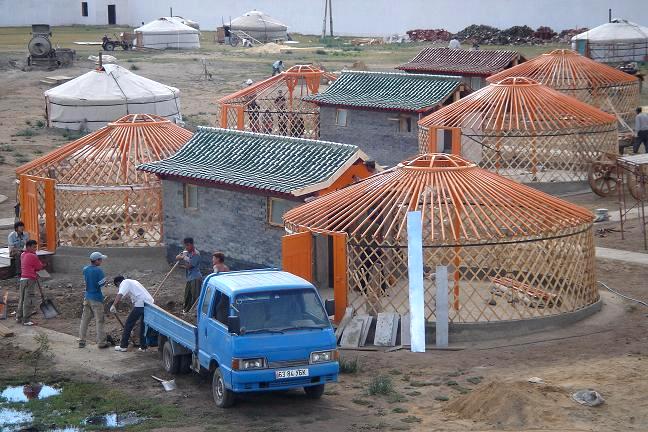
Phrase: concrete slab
(352, 333)
(105, 362)
(346, 319)
(386, 329)
(368, 320)
(405, 330)
(622, 255)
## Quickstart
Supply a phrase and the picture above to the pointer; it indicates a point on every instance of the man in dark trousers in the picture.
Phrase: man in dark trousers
(138, 295)
(17, 240)
(190, 260)
(641, 131)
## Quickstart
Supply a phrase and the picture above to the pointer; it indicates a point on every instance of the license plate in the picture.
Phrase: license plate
(291, 373)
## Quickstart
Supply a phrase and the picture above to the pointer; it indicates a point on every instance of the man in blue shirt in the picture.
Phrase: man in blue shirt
(95, 280)
(190, 260)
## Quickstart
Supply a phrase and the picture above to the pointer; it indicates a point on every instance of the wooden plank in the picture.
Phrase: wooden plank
(5, 332)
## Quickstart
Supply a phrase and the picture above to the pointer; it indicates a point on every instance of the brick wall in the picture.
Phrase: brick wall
(234, 223)
(373, 132)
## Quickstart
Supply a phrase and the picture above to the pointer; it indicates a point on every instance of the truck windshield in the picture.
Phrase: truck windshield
(280, 311)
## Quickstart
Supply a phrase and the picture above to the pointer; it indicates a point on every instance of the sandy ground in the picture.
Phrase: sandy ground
(610, 357)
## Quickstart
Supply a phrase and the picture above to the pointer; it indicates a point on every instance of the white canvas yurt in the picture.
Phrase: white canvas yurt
(167, 33)
(614, 42)
(98, 97)
(185, 21)
(260, 26)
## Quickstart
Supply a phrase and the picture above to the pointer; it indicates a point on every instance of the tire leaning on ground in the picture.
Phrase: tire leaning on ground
(314, 392)
(223, 397)
(170, 363)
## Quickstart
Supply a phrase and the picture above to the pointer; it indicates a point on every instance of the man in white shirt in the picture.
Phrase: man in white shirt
(138, 295)
(641, 131)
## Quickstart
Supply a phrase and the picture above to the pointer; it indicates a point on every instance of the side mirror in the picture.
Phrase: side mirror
(329, 305)
(234, 324)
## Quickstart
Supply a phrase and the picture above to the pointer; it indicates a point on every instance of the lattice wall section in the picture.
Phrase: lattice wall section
(563, 157)
(487, 282)
(621, 99)
(109, 216)
(275, 112)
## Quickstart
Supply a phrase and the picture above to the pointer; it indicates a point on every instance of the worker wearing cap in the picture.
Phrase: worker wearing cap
(95, 280)
(138, 295)
(641, 131)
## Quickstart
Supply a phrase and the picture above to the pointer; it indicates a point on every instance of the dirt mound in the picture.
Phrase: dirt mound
(512, 404)
(269, 48)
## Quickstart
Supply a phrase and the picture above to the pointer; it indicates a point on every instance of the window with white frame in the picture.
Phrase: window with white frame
(341, 117)
(190, 195)
(277, 207)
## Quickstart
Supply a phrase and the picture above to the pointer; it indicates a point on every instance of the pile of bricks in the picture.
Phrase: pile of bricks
(431, 35)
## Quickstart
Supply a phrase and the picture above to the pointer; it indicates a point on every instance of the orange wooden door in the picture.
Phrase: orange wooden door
(297, 254)
(36, 206)
(29, 206)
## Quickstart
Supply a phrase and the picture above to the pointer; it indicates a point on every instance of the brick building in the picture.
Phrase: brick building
(474, 66)
(229, 190)
(378, 111)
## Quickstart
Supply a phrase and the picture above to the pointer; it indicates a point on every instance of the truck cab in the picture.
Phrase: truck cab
(257, 331)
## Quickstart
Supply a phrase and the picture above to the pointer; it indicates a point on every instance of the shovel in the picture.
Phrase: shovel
(47, 306)
(3, 305)
(168, 385)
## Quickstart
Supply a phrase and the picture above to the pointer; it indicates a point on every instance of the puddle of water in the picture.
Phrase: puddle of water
(28, 392)
(114, 420)
(67, 429)
(11, 417)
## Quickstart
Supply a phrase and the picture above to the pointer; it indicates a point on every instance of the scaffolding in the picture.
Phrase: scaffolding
(512, 252)
(275, 105)
(523, 130)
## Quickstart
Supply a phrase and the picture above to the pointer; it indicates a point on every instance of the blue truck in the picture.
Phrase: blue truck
(256, 331)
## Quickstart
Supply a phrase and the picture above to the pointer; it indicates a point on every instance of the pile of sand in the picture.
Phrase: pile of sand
(513, 404)
(269, 48)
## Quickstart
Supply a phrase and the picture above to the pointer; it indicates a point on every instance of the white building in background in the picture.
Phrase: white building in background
(351, 17)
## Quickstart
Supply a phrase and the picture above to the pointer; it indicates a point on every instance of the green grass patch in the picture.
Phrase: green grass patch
(411, 419)
(395, 372)
(452, 383)
(349, 366)
(414, 393)
(28, 132)
(475, 380)
(400, 410)
(420, 383)
(381, 385)
(40, 123)
(7, 148)
(79, 400)
(442, 398)
(363, 402)
(396, 398)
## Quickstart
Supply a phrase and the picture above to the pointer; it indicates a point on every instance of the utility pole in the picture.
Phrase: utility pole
(324, 23)
(331, 16)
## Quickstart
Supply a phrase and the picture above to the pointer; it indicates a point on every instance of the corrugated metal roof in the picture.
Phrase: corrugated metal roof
(267, 162)
(388, 91)
(446, 60)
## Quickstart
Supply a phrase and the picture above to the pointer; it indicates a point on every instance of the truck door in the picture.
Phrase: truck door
(214, 339)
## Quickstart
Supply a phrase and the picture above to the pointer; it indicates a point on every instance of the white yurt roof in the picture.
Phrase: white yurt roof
(112, 83)
(165, 25)
(257, 20)
(185, 21)
(617, 29)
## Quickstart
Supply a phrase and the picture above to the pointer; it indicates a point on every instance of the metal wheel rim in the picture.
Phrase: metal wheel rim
(219, 388)
(167, 360)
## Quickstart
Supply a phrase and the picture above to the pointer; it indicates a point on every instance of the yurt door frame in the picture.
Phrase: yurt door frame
(441, 139)
(37, 198)
(298, 258)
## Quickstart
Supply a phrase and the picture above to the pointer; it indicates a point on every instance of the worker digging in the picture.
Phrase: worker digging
(138, 295)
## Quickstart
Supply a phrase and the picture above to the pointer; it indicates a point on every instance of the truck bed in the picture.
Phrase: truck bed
(174, 328)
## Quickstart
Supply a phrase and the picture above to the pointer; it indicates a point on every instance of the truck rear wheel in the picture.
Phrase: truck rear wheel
(170, 363)
(223, 397)
(314, 392)
(185, 364)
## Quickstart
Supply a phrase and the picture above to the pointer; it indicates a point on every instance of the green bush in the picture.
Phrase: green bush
(349, 366)
(134, 67)
(381, 385)
(25, 132)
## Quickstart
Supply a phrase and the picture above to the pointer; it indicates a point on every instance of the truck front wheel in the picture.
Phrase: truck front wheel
(223, 397)
(314, 392)
(170, 362)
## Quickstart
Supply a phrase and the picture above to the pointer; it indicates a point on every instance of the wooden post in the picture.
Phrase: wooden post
(340, 282)
(442, 306)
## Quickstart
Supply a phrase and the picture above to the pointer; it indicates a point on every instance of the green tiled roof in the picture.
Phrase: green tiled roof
(250, 160)
(388, 91)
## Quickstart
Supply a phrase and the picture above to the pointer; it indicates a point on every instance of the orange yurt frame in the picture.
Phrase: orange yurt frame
(512, 251)
(275, 105)
(100, 198)
(523, 130)
(594, 83)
